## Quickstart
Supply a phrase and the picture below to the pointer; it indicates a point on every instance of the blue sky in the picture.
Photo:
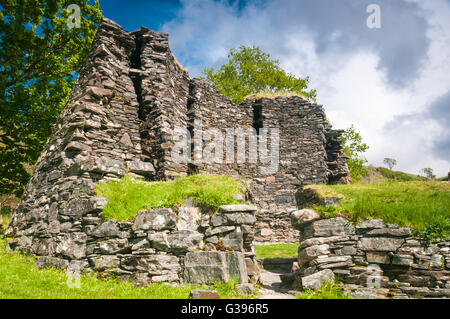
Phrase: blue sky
(392, 83)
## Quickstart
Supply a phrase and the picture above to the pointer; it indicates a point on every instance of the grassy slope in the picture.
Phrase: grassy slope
(127, 196)
(20, 278)
(411, 204)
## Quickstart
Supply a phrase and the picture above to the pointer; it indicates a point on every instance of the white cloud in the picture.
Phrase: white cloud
(343, 67)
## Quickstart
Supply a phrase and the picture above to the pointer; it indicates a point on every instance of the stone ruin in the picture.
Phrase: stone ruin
(372, 259)
(120, 118)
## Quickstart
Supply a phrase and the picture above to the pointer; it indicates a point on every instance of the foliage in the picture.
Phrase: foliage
(390, 162)
(410, 204)
(21, 279)
(277, 250)
(127, 196)
(250, 70)
(39, 58)
(436, 229)
(427, 173)
(398, 176)
(353, 148)
(329, 290)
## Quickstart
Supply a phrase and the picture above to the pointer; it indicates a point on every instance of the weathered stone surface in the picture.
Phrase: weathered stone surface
(155, 219)
(203, 294)
(48, 261)
(380, 244)
(139, 167)
(153, 264)
(101, 263)
(238, 218)
(372, 223)
(107, 229)
(309, 253)
(395, 232)
(378, 257)
(300, 218)
(72, 246)
(328, 227)
(184, 241)
(316, 280)
(188, 218)
(113, 246)
(206, 267)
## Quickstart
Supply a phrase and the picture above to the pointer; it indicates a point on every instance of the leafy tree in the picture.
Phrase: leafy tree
(390, 162)
(428, 173)
(250, 70)
(40, 54)
(353, 148)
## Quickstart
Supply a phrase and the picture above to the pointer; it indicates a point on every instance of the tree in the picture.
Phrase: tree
(40, 55)
(427, 173)
(250, 70)
(390, 162)
(353, 148)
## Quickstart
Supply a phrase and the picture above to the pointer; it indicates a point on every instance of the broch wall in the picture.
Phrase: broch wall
(130, 97)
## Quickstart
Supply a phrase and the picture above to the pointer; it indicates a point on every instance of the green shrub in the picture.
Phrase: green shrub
(127, 196)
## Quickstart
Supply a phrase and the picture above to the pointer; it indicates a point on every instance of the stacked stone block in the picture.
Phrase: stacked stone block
(373, 260)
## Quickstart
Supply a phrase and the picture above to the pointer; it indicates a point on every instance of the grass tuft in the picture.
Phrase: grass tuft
(127, 196)
(329, 290)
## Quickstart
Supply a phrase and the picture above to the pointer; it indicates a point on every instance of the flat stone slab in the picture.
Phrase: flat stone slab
(209, 266)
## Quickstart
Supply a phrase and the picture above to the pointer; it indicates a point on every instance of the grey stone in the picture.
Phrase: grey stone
(300, 218)
(184, 241)
(48, 261)
(73, 246)
(155, 219)
(395, 232)
(113, 246)
(188, 218)
(372, 223)
(101, 263)
(139, 167)
(107, 229)
(207, 267)
(238, 218)
(219, 230)
(403, 260)
(307, 254)
(337, 226)
(316, 280)
(380, 244)
(153, 264)
(377, 257)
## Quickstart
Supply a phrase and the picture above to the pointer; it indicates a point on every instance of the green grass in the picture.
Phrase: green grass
(127, 196)
(418, 205)
(398, 176)
(283, 250)
(20, 278)
(329, 290)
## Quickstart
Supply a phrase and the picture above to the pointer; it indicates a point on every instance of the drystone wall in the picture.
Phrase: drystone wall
(160, 245)
(373, 260)
(121, 118)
